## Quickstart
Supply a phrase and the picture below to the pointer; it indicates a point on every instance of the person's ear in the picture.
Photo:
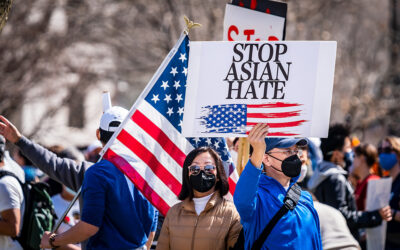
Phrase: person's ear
(266, 160)
(98, 134)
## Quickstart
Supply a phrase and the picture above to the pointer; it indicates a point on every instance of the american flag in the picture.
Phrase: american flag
(282, 118)
(149, 148)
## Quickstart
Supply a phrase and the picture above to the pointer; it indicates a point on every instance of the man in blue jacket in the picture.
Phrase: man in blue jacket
(272, 169)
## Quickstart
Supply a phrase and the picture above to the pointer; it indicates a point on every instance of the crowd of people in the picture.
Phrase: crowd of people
(294, 193)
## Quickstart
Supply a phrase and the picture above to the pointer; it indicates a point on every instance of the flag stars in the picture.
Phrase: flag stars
(170, 111)
(177, 85)
(216, 145)
(174, 71)
(167, 98)
(184, 71)
(155, 99)
(196, 140)
(179, 98)
(164, 85)
(208, 141)
(182, 57)
(180, 111)
(180, 123)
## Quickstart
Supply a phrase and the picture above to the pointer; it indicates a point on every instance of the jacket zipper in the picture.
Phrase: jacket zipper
(194, 231)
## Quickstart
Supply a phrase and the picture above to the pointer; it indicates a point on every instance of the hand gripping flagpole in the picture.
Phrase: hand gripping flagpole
(189, 26)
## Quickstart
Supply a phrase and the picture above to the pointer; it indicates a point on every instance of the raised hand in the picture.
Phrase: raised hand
(8, 130)
(257, 140)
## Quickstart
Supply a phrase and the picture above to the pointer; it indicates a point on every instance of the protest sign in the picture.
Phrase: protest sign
(241, 24)
(378, 196)
(265, 6)
(234, 85)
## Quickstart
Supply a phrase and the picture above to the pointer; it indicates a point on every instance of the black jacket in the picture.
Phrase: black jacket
(330, 186)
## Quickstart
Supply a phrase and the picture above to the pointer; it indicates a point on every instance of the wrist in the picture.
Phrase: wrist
(52, 240)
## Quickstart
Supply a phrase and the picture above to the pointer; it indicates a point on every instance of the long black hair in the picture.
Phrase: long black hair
(222, 184)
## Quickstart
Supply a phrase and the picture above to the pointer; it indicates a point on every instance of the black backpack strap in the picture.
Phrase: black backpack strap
(8, 173)
(290, 202)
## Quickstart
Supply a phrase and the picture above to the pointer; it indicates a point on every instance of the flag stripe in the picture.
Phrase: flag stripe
(280, 124)
(146, 156)
(139, 182)
(273, 105)
(159, 120)
(145, 172)
(273, 115)
(158, 135)
(163, 157)
(232, 185)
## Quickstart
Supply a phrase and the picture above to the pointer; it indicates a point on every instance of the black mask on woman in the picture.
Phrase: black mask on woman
(291, 166)
(202, 182)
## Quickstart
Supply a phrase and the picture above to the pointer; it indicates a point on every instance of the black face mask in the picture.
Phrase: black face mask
(291, 166)
(202, 182)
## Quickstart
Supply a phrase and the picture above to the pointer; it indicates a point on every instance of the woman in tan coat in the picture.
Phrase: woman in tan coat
(204, 219)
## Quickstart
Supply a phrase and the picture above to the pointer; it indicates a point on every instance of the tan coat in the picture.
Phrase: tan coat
(217, 227)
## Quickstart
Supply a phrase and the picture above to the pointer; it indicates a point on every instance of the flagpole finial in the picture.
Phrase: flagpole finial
(190, 24)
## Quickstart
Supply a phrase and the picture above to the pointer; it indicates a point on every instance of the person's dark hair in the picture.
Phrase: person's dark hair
(222, 184)
(105, 136)
(2, 147)
(2, 150)
(235, 141)
(26, 160)
(369, 152)
(335, 141)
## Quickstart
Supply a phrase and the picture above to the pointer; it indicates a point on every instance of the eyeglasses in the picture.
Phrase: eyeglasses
(208, 169)
(289, 152)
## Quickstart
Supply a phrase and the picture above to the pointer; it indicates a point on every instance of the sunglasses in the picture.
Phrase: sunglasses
(208, 169)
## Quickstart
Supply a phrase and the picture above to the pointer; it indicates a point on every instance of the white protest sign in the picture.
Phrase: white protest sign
(378, 196)
(241, 24)
(232, 86)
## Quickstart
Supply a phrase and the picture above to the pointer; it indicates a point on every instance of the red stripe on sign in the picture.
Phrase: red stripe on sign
(158, 135)
(282, 134)
(139, 182)
(232, 186)
(274, 105)
(274, 115)
(147, 157)
(279, 134)
(280, 124)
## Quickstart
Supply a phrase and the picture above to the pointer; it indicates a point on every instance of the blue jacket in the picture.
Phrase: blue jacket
(258, 198)
(124, 217)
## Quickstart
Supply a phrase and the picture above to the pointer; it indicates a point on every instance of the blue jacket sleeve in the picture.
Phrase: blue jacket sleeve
(94, 197)
(245, 197)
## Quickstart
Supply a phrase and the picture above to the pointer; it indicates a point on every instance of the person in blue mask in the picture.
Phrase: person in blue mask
(389, 155)
(262, 190)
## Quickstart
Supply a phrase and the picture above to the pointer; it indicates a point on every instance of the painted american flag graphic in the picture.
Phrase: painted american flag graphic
(149, 147)
(283, 118)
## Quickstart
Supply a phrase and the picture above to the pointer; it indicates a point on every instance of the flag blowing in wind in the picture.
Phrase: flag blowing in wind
(148, 147)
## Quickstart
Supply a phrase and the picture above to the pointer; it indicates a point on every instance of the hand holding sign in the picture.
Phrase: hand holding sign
(257, 140)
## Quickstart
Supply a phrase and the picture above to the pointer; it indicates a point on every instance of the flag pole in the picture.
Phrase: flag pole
(243, 154)
(67, 210)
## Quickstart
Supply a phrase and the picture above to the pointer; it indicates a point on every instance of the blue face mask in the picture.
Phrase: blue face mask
(348, 158)
(387, 160)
